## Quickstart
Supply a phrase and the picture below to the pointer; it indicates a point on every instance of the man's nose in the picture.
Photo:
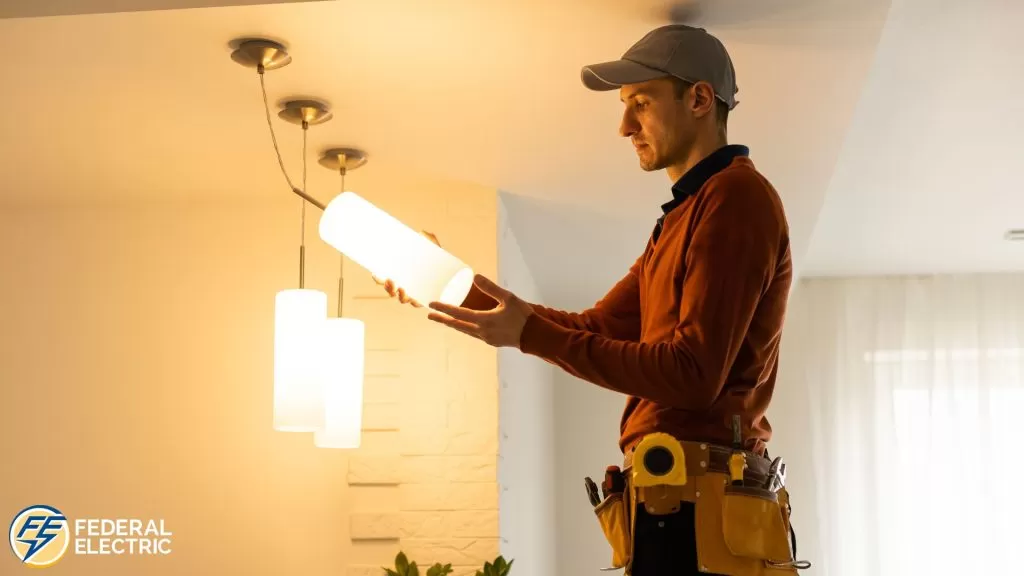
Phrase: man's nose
(629, 125)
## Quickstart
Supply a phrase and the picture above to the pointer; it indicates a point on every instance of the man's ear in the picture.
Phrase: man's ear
(703, 99)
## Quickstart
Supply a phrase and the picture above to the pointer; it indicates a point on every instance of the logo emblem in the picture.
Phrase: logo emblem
(40, 535)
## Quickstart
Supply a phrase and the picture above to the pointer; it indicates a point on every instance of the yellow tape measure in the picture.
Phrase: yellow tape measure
(659, 461)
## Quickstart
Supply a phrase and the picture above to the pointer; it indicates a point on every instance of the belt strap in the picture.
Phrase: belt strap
(702, 457)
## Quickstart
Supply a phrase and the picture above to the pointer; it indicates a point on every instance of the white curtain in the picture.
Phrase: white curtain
(915, 396)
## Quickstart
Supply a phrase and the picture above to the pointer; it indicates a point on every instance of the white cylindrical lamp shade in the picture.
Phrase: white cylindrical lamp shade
(299, 316)
(342, 361)
(388, 248)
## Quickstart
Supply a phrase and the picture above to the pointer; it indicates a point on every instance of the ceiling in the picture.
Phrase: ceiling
(147, 103)
(35, 8)
(929, 179)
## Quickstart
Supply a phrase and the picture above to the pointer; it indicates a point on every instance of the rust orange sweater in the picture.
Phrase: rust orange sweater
(691, 333)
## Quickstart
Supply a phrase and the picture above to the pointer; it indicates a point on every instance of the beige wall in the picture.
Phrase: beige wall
(136, 363)
(587, 429)
(791, 419)
(526, 466)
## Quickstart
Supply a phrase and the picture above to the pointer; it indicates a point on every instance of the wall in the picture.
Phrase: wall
(526, 465)
(136, 362)
(588, 441)
(791, 421)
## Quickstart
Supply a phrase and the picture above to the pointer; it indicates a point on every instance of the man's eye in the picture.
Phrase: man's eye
(641, 105)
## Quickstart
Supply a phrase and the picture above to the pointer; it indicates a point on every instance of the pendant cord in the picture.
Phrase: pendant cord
(284, 171)
(273, 137)
(341, 258)
(302, 216)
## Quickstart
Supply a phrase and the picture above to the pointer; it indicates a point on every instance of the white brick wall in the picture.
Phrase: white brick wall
(122, 304)
(425, 479)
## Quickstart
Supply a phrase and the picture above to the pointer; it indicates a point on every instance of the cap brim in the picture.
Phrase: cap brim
(611, 75)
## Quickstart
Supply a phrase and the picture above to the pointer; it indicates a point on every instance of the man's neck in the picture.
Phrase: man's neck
(701, 150)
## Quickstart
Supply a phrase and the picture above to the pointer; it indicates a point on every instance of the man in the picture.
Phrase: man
(691, 333)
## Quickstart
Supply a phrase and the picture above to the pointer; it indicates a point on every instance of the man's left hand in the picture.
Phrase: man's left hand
(500, 326)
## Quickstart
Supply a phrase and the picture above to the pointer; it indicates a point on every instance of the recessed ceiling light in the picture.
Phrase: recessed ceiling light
(1016, 234)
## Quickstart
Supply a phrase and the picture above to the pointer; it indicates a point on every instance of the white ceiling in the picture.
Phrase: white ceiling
(148, 103)
(929, 179)
(36, 8)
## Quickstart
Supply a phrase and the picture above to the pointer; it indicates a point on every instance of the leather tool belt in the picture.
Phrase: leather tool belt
(701, 458)
(742, 526)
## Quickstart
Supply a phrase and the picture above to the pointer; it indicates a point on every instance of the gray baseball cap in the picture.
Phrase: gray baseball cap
(688, 53)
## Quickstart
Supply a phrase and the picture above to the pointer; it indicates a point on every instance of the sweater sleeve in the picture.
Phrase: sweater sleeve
(736, 238)
(616, 315)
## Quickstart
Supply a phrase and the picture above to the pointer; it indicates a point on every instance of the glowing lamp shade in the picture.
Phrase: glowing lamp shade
(388, 248)
(299, 316)
(342, 366)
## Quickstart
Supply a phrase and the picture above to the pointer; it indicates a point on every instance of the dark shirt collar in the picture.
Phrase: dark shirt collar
(696, 177)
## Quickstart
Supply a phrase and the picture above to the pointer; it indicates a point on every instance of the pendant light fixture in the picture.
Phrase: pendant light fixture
(342, 359)
(319, 362)
(299, 315)
(423, 269)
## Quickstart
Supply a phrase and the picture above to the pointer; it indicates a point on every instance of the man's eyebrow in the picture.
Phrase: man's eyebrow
(638, 92)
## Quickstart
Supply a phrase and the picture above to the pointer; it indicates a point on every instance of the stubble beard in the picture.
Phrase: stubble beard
(650, 162)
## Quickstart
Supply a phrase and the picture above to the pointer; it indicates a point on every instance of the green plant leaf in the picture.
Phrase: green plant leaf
(413, 570)
(440, 570)
(402, 564)
(500, 567)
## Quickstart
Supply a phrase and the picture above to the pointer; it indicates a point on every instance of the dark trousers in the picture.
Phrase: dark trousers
(666, 545)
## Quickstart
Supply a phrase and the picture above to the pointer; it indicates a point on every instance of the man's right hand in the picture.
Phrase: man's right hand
(396, 291)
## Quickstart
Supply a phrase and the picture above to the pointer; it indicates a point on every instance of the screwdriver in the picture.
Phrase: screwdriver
(614, 481)
(595, 498)
(773, 474)
(737, 462)
(780, 478)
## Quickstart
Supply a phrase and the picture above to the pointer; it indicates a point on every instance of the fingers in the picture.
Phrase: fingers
(490, 288)
(406, 299)
(394, 291)
(467, 328)
(464, 314)
(431, 237)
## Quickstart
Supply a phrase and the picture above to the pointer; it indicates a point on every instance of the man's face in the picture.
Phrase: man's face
(660, 125)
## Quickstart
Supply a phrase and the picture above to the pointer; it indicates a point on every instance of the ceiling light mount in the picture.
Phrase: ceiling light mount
(260, 53)
(337, 158)
(305, 112)
(1016, 235)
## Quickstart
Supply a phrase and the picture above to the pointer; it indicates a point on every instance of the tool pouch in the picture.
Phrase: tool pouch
(614, 515)
(753, 525)
(743, 531)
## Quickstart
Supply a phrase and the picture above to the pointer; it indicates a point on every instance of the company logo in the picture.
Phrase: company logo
(40, 535)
